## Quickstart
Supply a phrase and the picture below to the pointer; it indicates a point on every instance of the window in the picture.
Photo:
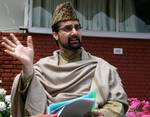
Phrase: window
(96, 16)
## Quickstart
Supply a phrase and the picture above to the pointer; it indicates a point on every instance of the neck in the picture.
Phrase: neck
(69, 55)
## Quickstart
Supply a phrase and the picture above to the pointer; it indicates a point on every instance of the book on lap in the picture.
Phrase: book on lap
(77, 107)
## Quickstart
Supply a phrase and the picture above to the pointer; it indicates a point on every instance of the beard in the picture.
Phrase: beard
(73, 43)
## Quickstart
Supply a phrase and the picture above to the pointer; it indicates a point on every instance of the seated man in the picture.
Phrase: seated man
(71, 72)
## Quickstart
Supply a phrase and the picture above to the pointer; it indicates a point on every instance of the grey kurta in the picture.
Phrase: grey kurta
(52, 82)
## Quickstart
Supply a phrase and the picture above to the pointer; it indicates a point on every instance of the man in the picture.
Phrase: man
(71, 72)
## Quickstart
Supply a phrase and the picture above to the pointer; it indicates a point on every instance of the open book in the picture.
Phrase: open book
(77, 107)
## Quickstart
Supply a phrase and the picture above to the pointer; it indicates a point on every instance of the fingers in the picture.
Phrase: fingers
(10, 43)
(97, 113)
(10, 52)
(8, 47)
(14, 38)
(29, 42)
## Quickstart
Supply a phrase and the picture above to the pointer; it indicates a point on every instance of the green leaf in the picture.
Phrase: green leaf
(0, 115)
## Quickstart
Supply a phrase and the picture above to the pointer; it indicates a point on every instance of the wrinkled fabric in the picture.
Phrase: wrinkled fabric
(52, 83)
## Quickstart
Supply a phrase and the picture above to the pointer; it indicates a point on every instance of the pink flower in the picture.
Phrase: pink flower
(147, 112)
(135, 104)
(138, 108)
(146, 105)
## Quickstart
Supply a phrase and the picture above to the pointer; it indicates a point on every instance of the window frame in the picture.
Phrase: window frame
(117, 34)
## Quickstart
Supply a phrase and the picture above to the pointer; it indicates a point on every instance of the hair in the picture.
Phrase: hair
(55, 27)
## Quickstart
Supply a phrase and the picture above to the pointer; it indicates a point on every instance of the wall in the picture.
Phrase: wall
(133, 65)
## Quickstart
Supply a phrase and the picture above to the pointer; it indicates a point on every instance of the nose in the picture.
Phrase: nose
(74, 31)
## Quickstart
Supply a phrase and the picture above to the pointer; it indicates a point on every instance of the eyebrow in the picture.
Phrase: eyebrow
(70, 25)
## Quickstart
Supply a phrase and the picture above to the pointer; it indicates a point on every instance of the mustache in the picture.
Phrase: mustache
(71, 38)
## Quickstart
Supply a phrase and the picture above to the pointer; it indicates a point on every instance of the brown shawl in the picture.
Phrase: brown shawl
(52, 83)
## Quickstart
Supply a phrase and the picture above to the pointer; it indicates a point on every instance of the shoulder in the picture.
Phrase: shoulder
(103, 63)
(46, 60)
(49, 59)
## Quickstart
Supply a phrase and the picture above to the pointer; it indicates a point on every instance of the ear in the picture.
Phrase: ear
(55, 35)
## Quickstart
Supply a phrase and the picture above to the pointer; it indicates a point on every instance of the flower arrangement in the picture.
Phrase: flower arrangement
(138, 108)
(4, 103)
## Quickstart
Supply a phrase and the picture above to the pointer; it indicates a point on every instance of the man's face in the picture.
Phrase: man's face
(69, 36)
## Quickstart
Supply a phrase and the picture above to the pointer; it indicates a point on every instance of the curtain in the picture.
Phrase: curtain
(94, 15)
(127, 18)
(97, 15)
(42, 12)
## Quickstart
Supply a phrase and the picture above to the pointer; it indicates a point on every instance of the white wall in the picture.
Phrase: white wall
(11, 15)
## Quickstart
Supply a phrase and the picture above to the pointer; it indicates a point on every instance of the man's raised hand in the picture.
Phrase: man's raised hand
(25, 54)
